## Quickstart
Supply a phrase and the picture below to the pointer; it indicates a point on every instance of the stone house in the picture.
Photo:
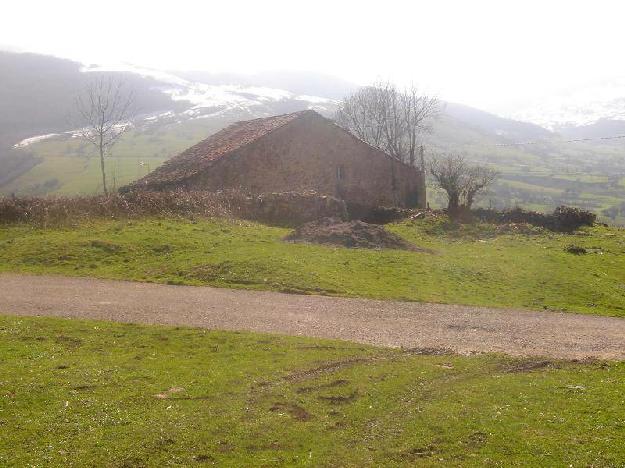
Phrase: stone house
(296, 152)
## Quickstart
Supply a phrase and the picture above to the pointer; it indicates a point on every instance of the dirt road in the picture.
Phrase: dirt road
(462, 329)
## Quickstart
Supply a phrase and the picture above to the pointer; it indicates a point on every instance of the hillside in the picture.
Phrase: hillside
(180, 109)
(37, 95)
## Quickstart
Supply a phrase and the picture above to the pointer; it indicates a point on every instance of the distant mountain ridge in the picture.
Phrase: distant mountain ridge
(296, 82)
(508, 129)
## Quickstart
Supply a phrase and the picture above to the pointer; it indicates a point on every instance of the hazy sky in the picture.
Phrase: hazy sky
(475, 51)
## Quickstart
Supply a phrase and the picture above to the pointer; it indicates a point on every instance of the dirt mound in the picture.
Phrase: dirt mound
(334, 231)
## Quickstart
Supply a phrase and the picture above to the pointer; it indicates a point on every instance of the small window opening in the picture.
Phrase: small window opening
(340, 173)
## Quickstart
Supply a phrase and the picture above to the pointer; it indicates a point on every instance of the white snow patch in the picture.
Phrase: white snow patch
(203, 95)
(315, 99)
(155, 117)
(266, 93)
(29, 141)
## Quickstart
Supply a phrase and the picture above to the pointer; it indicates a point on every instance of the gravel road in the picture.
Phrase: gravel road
(462, 329)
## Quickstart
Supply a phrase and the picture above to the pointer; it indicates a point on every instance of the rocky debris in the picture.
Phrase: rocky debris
(355, 234)
(575, 249)
(385, 214)
(578, 250)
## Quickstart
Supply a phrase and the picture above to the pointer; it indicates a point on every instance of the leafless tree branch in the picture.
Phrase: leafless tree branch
(389, 119)
(105, 109)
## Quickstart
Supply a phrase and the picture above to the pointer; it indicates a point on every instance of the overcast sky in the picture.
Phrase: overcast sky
(478, 52)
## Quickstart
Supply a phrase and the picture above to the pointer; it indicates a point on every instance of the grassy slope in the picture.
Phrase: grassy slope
(469, 266)
(70, 166)
(80, 392)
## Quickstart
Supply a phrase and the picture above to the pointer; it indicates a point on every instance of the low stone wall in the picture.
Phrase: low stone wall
(563, 219)
(292, 208)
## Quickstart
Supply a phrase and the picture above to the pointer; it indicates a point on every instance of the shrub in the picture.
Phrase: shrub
(566, 218)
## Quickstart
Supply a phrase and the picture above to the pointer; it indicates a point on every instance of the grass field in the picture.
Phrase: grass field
(469, 264)
(83, 393)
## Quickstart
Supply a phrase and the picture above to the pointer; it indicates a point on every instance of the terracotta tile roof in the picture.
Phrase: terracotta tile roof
(200, 156)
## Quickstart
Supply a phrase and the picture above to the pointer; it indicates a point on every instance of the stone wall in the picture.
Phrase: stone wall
(291, 208)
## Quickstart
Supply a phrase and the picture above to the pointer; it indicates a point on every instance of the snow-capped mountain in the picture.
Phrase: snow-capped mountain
(224, 99)
(575, 107)
(185, 99)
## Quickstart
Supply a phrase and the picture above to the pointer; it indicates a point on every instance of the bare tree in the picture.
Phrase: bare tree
(461, 181)
(478, 179)
(105, 109)
(389, 119)
(448, 173)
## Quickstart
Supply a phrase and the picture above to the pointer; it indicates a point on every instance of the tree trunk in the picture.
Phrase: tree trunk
(453, 207)
(411, 157)
(470, 198)
(102, 167)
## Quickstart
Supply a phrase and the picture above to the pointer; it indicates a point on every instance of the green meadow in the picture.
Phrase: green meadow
(85, 393)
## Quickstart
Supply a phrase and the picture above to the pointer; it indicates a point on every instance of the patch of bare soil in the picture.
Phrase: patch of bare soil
(355, 234)
(339, 399)
(528, 365)
(167, 394)
(416, 453)
(335, 383)
(295, 411)
(428, 351)
(326, 368)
